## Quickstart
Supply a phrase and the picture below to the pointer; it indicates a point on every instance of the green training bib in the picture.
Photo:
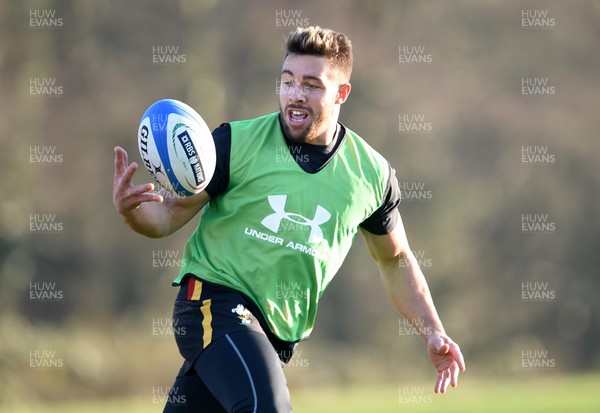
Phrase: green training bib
(279, 234)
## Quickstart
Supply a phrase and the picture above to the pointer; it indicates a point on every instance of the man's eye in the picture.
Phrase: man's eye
(287, 82)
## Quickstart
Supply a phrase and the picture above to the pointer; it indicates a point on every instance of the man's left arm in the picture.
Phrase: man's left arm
(406, 285)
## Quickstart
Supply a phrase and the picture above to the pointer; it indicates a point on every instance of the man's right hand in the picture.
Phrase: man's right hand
(127, 196)
(149, 213)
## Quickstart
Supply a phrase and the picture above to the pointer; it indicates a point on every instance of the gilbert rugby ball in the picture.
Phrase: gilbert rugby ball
(177, 147)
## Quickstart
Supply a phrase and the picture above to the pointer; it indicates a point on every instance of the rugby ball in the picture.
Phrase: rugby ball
(177, 147)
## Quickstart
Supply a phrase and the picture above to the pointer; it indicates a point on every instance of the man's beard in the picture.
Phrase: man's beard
(308, 133)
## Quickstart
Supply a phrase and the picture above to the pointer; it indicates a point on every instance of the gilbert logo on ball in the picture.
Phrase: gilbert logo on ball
(177, 147)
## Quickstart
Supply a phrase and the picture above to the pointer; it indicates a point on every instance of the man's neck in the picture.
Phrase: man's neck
(328, 136)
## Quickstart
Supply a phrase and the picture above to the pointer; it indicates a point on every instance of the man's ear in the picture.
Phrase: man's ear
(343, 93)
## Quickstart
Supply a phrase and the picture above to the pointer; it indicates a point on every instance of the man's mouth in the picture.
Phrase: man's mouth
(297, 116)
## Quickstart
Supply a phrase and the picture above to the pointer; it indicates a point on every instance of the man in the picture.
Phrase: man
(290, 192)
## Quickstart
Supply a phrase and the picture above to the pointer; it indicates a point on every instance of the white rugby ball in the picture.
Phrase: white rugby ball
(177, 147)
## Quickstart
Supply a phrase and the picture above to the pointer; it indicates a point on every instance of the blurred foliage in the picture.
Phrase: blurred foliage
(470, 229)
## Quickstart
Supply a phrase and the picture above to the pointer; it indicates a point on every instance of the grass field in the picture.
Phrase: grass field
(542, 394)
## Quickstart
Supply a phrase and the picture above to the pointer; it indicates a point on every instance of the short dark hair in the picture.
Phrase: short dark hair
(316, 41)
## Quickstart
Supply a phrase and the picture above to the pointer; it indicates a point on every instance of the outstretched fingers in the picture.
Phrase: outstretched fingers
(448, 360)
(120, 162)
(138, 194)
(126, 195)
(442, 381)
(458, 364)
(123, 171)
(458, 356)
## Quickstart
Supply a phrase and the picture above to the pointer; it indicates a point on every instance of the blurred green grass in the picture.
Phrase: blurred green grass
(536, 394)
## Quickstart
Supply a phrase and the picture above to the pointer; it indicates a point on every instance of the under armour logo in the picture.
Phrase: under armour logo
(273, 221)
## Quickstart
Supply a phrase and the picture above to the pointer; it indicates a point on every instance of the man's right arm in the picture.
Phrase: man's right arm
(151, 214)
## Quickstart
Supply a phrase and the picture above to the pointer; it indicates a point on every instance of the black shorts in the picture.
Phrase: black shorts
(232, 361)
(208, 311)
